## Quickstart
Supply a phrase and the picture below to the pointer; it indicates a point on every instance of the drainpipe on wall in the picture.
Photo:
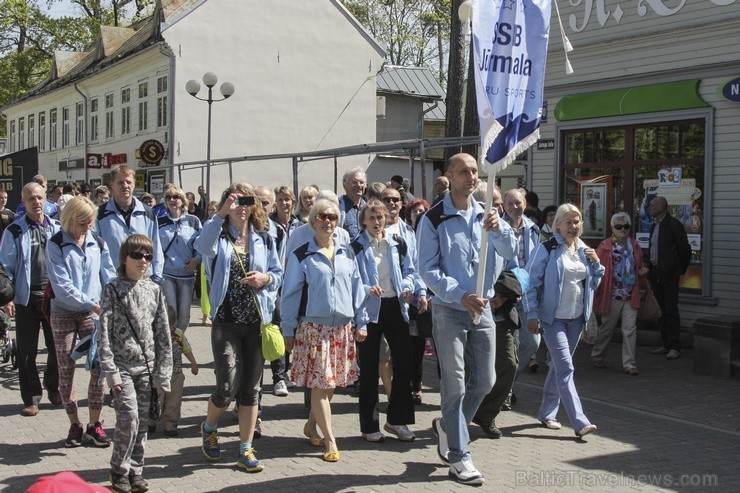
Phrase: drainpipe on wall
(165, 50)
(84, 133)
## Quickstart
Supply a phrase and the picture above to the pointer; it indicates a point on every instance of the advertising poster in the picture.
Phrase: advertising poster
(593, 206)
(16, 170)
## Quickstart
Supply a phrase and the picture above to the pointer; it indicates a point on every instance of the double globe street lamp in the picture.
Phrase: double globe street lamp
(227, 89)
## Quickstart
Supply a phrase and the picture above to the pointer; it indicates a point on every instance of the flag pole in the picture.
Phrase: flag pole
(483, 255)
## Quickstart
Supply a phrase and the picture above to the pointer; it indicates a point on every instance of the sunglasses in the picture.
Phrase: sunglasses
(138, 256)
(323, 216)
(621, 227)
(388, 200)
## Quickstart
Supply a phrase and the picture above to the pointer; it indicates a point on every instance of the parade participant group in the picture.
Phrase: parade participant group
(353, 288)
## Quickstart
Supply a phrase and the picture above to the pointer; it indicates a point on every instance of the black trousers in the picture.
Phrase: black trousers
(396, 331)
(665, 289)
(28, 321)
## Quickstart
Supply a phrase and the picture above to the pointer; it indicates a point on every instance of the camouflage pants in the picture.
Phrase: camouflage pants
(132, 412)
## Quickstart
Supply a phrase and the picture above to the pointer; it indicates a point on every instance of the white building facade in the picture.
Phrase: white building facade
(304, 74)
(652, 109)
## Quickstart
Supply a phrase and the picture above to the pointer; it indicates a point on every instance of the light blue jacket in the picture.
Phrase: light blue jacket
(403, 272)
(319, 291)
(546, 281)
(409, 236)
(182, 249)
(449, 252)
(77, 275)
(216, 250)
(111, 226)
(15, 253)
(531, 237)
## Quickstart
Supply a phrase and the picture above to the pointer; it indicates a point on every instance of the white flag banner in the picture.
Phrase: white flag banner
(510, 47)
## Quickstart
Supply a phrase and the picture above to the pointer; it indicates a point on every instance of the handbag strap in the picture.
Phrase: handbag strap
(251, 290)
(133, 329)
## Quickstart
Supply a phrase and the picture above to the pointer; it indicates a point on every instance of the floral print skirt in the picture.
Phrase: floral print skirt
(324, 356)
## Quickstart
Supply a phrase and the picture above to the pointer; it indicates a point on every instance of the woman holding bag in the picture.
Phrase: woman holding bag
(78, 264)
(618, 294)
(244, 273)
(563, 275)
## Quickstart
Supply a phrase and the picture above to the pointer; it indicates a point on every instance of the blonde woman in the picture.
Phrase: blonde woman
(306, 199)
(564, 272)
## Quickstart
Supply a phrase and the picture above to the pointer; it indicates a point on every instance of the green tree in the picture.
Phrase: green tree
(414, 32)
(28, 39)
(112, 12)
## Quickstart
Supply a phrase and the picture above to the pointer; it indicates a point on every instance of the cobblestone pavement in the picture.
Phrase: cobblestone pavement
(663, 430)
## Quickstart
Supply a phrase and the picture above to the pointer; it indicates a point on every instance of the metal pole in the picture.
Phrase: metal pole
(336, 174)
(208, 146)
(423, 163)
(295, 176)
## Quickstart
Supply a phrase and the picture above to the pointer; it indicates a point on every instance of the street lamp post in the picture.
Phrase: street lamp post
(227, 89)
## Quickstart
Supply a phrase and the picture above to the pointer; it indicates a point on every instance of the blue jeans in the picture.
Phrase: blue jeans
(178, 293)
(460, 346)
(528, 343)
(562, 340)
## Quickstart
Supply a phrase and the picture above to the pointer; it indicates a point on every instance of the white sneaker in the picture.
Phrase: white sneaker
(402, 432)
(465, 472)
(586, 430)
(280, 389)
(443, 449)
(374, 437)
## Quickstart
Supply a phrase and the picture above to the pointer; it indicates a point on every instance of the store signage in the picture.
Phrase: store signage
(106, 160)
(151, 152)
(730, 90)
(545, 144)
(71, 164)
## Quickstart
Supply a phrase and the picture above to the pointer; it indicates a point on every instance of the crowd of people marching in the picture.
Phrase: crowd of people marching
(358, 285)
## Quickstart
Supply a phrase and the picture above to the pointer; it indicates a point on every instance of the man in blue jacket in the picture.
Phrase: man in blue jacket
(449, 248)
(124, 215)
(23, 254)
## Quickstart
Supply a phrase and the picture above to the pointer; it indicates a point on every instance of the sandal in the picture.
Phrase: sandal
(331, 456)
(314, 441)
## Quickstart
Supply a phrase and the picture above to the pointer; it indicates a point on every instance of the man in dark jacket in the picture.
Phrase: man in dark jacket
(508, 291)
(670, 254)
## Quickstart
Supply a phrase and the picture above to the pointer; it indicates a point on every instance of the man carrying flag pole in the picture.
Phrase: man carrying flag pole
(510, 49)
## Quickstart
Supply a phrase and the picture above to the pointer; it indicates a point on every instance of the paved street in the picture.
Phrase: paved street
(663, 430)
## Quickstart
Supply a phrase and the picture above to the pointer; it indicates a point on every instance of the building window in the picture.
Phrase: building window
(162, 101)
(53, 129)
(109, 116)
(31, 130)
(162, 111)
(143, 106)
(21, 133)
(125, 111)
(65, 127)
(42, 131)
(79, 124)
(603, 167)
(94, 120)
(11, 141)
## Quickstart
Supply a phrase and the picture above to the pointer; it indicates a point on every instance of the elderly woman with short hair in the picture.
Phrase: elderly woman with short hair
(178, 231)
(563, 275)
(618, 295)
(322, 297)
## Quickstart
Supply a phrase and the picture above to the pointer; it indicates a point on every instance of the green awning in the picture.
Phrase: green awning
(631, 101)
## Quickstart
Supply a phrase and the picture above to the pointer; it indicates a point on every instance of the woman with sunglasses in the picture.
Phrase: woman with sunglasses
(322, 298)
(244, 272)
(178, 231)
(618, 295)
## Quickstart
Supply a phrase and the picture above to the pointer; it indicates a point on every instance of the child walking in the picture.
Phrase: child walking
(135, 354)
